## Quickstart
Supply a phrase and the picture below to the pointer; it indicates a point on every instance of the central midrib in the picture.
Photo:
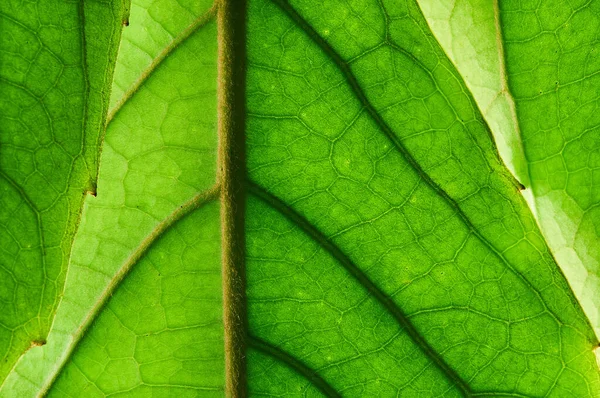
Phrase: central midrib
(231, 19)
(231, 115)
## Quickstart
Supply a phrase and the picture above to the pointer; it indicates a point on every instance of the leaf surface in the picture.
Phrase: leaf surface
(534, 79)
(388, 248)
(55, 76)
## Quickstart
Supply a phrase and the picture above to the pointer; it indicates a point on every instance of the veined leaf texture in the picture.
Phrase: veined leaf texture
(299, 198)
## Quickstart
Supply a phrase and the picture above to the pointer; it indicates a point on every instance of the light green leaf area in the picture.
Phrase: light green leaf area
(159, 151)
(469, 32)
(388, 248)
(55, 75)
(543, 63)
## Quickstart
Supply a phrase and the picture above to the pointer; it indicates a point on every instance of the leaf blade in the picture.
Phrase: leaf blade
(56, 89)
(562, 214)
(388, 249)
(287, 77)
(133, 197)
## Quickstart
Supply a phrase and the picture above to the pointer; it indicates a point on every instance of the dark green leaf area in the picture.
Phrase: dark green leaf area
(389, 249)
(54, 87)
(41, 114)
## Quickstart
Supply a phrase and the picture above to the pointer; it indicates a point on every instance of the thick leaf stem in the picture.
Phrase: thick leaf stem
(231, 17)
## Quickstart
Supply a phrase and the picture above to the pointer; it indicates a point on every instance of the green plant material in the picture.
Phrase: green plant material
(56, 65)
(388, 248)
(541, 103)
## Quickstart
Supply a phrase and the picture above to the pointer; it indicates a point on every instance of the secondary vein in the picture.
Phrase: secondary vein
(198, 23)
(364, 280)
(399, 146)
(187, 208)
(293, 363)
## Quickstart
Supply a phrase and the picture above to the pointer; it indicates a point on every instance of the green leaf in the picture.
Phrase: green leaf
(533, 74)
(55, 75)
(305, 199)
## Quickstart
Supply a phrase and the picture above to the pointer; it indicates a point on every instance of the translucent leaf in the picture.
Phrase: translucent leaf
(305, 199)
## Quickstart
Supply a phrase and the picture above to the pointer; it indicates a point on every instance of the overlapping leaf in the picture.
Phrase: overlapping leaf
(389, 250)
(533, 71)
(56, 69)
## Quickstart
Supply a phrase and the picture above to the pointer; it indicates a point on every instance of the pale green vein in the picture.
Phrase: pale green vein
(526, 178)
(386, 301)
(185, 209)
(294, 364)
(198, 23)
(353, 82)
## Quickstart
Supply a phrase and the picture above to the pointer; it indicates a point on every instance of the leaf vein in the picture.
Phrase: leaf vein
(198, 23)
(177, 215)
(294, 364)
(363, 279)
(378, 119)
